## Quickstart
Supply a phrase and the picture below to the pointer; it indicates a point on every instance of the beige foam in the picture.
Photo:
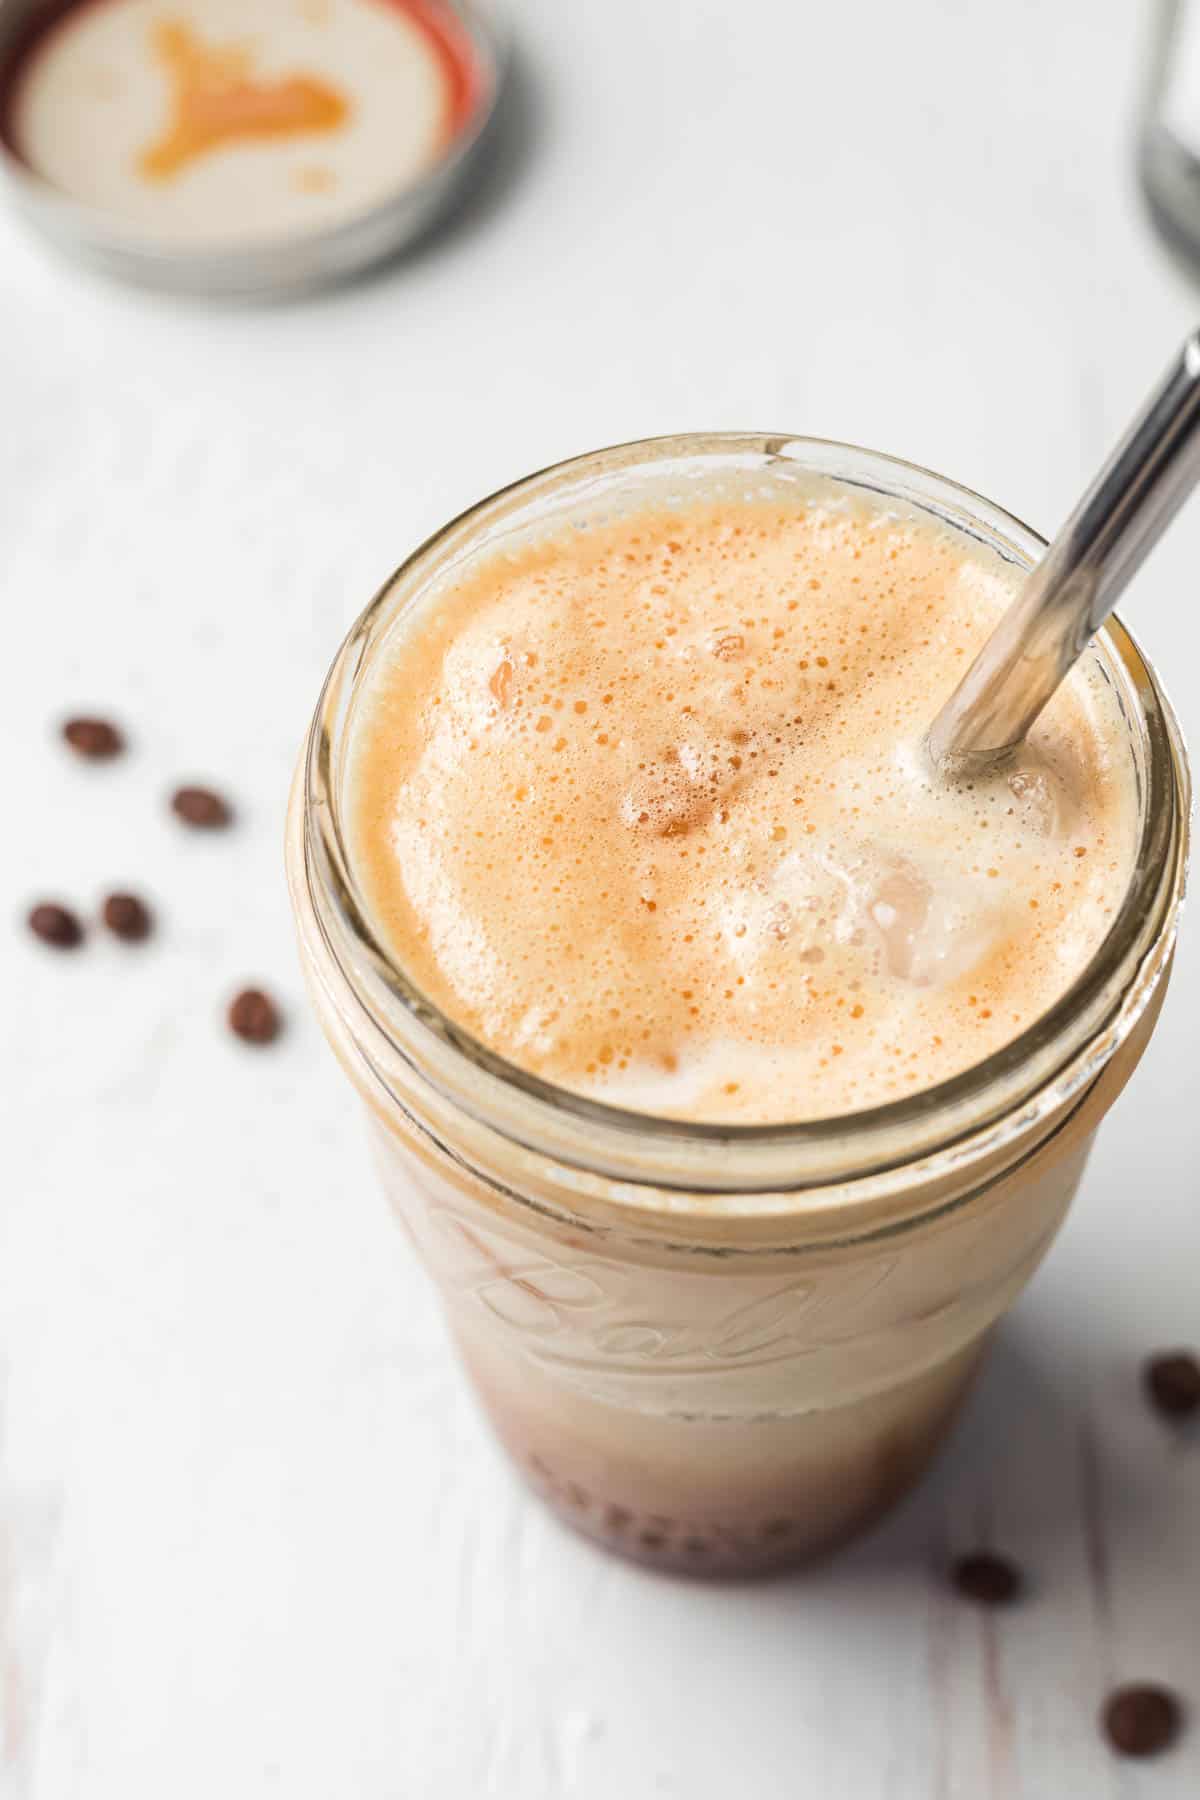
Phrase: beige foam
(642, 806)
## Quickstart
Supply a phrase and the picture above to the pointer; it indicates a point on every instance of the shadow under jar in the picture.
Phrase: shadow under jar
(723, 1349)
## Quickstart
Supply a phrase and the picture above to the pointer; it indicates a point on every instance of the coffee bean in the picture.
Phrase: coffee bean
(94, 738)
(986, 1579)
(202, 808)
(1173, 1383)
(56, 926)
(254, 1017)
(1141, 1720)
(127, 917)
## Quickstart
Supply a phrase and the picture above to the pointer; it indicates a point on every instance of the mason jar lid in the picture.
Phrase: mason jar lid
(207, 147)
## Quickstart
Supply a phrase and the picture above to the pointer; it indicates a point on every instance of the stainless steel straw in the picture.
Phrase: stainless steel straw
(1071, 592)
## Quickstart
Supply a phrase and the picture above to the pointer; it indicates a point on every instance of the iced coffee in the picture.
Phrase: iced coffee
(730, 1068)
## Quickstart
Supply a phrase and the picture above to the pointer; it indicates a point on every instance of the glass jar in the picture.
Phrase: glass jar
(719, 1348)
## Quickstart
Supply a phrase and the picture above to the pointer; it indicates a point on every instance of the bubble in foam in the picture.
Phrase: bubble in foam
(678, 789)
(500, 683)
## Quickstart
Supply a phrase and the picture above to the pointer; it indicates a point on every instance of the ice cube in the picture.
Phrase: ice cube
(933, 929)
(1037, 801)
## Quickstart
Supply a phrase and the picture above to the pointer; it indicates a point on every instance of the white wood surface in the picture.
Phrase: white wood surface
(252, 1539)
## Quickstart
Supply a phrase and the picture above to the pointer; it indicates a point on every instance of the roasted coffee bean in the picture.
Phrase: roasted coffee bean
(1141, 1720)
(97, 739)
(201, 807)
(55, 926)
(127, 917)
(987, 1579)
(1173, 1383)
(254, 1017)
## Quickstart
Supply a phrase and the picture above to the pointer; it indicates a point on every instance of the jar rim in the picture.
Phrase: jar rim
(1039, 1070)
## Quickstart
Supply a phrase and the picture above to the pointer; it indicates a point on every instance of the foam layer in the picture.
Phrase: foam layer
(642, 807)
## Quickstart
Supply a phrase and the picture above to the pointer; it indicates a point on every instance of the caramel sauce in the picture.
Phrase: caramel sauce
(217, 101)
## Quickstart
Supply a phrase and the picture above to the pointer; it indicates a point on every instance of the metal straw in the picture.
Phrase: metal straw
(1071, 592)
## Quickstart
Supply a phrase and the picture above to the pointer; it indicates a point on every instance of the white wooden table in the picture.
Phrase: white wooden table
(252, 1539)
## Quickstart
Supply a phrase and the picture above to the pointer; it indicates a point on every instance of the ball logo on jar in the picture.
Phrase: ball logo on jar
(592, 1311)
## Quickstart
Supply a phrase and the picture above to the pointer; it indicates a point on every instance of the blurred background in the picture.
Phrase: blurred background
(251, 1537)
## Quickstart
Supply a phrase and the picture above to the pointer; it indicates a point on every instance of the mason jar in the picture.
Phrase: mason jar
(722, 1348)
